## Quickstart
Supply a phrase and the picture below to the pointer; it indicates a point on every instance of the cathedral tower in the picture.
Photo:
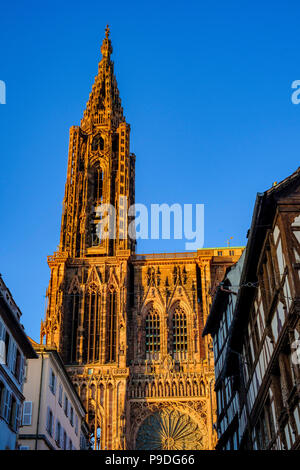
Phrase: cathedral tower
(128, 326)
(100, 171)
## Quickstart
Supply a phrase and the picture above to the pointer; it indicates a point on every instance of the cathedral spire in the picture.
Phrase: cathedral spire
(104, 105)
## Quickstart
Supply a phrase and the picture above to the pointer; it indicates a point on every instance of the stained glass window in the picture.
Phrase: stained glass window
(180, 345)
(152, 335)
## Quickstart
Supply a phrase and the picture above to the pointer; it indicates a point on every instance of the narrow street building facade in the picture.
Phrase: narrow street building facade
(15, 350)
(263, 354)
(218, 325)
(53, 416)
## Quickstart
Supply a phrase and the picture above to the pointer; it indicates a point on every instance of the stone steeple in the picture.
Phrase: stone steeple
(100, 171)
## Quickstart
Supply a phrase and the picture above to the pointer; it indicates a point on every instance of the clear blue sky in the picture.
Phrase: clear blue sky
(206, 87)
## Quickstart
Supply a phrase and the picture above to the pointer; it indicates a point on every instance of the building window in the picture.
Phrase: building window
(7, 405)
(72, 416)
(60, 394)
(21, 367)
(265, 428)
(7, 347)
(66, 405)
(111, 331)
(27, 413)
(97, 198)
(13, 415)
(49, 422)
(65, 441)
(2, 342)
(18, 365)
(58, 433)
(76, 425)
(2, 397)
(98, 185)
(231, 252)
(152, 335)
(97, 143)
(93, 325)
(74, 305)
(220, 253)
(52, 382)
(61, 442)
(13, 357)
(70, 444)
(180, 345)
(82, 442)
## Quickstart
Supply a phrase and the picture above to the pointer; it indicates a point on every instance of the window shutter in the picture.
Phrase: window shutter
(17, 417)
(13, 356)
(54, 387)
(2, 351)
(8, 351)
(27, 413)
(61, 437)
(3, 404)
(2, 343)
(52, 426)
(7, 405)
(21, 374)
(57, 431)
(50, 377)
(60, 394)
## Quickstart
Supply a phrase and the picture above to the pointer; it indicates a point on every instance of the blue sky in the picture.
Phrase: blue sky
(206, 87)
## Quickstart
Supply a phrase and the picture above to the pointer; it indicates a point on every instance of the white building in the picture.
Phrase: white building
(14, 349)
(53, 415)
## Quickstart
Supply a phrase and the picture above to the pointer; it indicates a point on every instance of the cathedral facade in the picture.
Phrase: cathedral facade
(128, 326)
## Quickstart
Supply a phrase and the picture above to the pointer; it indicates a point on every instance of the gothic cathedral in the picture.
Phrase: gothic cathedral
(128, 326)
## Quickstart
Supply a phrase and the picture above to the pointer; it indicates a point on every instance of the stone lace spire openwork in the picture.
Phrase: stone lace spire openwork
(104, 105)
(100, 170)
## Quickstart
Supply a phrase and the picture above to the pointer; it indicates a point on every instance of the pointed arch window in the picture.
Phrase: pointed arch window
(97, 198)
(111, 327)
(98, 184)
(152, 324)
(74, 317)
(93, 325)
(180, 344)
